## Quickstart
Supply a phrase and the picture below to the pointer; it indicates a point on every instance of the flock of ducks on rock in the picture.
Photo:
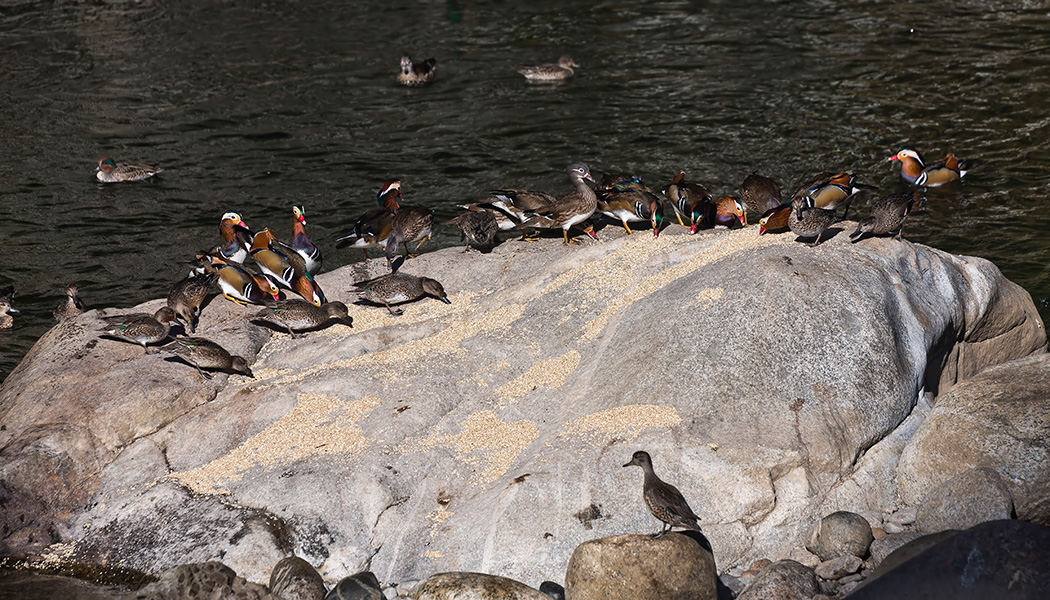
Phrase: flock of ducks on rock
(289, 267)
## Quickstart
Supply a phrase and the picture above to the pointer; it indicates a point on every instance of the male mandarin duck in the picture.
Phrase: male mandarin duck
(692, 199)
(285, 266)
(809, 221)
(141, 328)
(619, 182)
(409, 223)
(372, 230)
(518, 206)
(832, 191)
(549, 73)
(110, 171)
(629, 200)
(413, 74)
(237, 284)
(236, 238)
(775, 220)
(914, 170)
(571, 209)
(729, 210)
(759, 193)
(302, 244)
(887, 213)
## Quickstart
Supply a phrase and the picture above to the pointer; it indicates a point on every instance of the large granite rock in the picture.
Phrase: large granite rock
(671, 567)
(839, 534)
(996, 559)
(474, 586)
(999, 420)
(772, 382)
(783, 580)
(969, 498)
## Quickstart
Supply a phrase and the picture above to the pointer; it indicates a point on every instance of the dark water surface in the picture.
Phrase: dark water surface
(256, 106)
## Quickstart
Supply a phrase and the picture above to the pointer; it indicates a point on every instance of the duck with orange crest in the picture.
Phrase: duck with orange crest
(915, 170)
(729, 210)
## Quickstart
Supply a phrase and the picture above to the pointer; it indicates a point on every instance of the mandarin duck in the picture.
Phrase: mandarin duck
(692, 199)
(299, 315)
(302, 244)
(619, 182)
(549, 73)
(372, 230)
(413, 74)
(236, 238)
(809, 221)
(140, 328)
(110, 171)
(629, 204)
(729, 210)
(571, 209)
(664, 500)
(505, 221)
(7, 295)
(285, 266)
(237, 284)
(477, 227)
(398, 288)
(185, 297)
(887, 213)
(914, 170)
(71, 306)
(517, 206)
(206, 354)
(832, 191)
(775, 220)
(759, 193)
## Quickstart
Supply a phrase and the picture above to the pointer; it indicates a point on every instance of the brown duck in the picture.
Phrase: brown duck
(477, 227)
(887, 213)
(205, 354)
(759, 193)
(299, 315)
(549, 73)
(692, 199)
(413, 73)
(808, 221)
(664, 500)
(185, 297)
(571, 209)
(71, 306)
(408, 224)
(398, 288)
(141, 328)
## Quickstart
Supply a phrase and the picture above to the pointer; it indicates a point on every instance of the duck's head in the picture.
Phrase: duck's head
(905, 154)
(656, 217)
(389, 192)
(435, 289)
(106, 164)
(566, 62)
(579, 171)
(641, 459)
(406, 63)
(299, 214)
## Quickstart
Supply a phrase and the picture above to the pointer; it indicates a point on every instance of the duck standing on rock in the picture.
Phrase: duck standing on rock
(477, 227)
(809, 221)
(301, 244)
(408, 224)
(887, 213)
(775, 220)
(206, 354)
(664, 500)
(398, 288)
(571, 209)
(517, 206)
(71, 306)
(371, 230)
(693, 199)
(549, 73)
(299, 315)
(631, 201)
(140, 328)
(914, 170)
(185, 297)
(729, 210)
(237, 284)
(832, 191)
(287, 268)
(110, 171)
(236, 238)
(7, 295)
(759, 194)
(413, 74)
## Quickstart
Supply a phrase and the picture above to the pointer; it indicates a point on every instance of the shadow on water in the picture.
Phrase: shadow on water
(256, 107)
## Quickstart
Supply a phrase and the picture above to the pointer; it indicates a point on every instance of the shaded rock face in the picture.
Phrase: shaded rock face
(359, 586)
(1000, 420)
(887, 544)
(996, 559)
(783, 580)
(201, 581)
(474, 586)
(471, 435)
(969, 498)
(839, 534)
(671, 567)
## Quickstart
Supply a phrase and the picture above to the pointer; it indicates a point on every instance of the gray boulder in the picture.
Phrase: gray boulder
(359, 586)
(671, 567)
(837, 568)
(885, 545)
(201, 581)
(295, 579)
(1000, 420)
(472, 435)
(996, 559)
(838, 534)
(971, 497)
(474, 586)
(783, 580)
